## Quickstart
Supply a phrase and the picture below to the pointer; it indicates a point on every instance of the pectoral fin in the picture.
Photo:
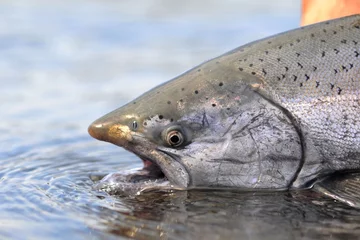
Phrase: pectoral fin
(344, 187)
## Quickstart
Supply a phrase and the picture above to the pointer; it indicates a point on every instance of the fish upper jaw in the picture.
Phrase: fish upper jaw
(97, 131)
(117, 134)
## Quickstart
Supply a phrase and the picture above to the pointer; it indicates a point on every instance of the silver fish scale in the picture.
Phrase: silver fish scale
(314, 72)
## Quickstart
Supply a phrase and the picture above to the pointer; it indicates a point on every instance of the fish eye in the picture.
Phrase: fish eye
(134, 125)
(174, 138)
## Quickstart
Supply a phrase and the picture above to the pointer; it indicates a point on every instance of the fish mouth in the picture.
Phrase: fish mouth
(158, 164)
(130, 183)
(150, 172)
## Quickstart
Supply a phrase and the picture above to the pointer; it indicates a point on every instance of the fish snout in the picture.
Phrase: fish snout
(98, 131)
(117, 134)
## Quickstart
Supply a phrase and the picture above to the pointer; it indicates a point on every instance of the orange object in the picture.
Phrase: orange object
(320, 10)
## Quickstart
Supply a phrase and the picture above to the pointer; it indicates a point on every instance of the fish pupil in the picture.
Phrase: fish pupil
(175, 139)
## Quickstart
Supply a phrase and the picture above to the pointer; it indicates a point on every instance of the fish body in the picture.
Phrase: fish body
(278, 113)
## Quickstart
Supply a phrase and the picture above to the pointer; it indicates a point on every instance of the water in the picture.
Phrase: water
(65, 63)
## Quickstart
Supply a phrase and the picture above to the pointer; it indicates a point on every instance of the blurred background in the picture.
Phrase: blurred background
(68, 62)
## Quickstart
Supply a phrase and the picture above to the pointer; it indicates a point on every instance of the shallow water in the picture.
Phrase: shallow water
(65, 63)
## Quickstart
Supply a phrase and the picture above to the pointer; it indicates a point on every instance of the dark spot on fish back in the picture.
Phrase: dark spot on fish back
(339, 91)
(307, 77)
(161, 116)
(221, 84)
(317, 84)
(343, 41)
(323, 54)
(300, 65)
(253, 73)
(196, 91)
(169, 102)
(356, 53)
(214, 105)
(241, 69)
(336, 51)
(332, 86)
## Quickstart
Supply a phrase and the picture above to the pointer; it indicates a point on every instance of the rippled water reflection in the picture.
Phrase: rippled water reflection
(65, 63)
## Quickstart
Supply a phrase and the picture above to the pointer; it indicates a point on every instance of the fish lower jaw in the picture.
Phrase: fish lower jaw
(170, 164)
(134, 182)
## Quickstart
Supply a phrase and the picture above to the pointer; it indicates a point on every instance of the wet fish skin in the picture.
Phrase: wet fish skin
(275, 113)
(313, 73)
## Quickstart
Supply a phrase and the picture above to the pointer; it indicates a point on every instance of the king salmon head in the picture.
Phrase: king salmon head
(208, 128)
